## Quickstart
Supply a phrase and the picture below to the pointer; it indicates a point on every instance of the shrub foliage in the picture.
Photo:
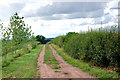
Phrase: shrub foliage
(99, 47)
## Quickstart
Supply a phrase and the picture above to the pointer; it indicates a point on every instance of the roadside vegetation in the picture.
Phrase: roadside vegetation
(97, 47)
(20, 52)
(17, 39)
(24, 66)
(0, 60)
(50, 59)
(86, 67)
(0, 67)
(18, 48)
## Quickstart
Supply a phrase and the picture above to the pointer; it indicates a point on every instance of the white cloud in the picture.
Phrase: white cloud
(72, 10)
(65, 18)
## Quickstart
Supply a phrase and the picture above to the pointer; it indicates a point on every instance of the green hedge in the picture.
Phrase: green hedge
(59, 41)
(99, 47)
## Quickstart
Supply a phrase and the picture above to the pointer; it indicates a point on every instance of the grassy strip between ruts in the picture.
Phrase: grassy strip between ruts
(92, 70)
(50, 59)
(24, 67)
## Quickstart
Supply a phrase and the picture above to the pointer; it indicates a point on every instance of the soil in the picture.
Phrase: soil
(66, 70)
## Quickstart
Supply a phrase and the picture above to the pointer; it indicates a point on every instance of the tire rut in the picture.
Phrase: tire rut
(44, 70)
(66, 70)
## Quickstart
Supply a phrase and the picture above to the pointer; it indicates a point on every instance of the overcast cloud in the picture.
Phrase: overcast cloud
(72, 10)
(52, 19)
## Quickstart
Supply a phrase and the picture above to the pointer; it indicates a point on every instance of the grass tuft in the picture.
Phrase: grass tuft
(57, 71)
(56, 67)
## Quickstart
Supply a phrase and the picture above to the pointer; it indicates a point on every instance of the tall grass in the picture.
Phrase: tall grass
(99, 47)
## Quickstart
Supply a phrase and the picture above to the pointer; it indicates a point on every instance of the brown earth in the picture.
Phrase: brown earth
(66, 70)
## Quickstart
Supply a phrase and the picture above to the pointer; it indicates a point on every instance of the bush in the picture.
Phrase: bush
(29, 48)
(34, 45)
(99, 47)
(59, 41)
(6, 63)
(16, 56)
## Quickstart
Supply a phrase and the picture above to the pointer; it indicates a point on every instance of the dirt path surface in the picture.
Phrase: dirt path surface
(66, 70)
(44, 70)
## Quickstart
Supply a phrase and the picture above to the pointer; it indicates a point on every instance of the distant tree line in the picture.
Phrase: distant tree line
(42, 39)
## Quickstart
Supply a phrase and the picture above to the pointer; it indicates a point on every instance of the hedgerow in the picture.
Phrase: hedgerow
(99, 47)
(59, 41)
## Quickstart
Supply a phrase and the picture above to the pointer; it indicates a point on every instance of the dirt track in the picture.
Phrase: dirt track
(66, 70)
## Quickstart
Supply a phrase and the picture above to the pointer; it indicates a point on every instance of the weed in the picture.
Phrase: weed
(56, 67)
(57, 71)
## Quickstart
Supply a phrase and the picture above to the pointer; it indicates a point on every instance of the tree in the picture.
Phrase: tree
(41, 39)
(5, 40)
(19, 31)
(67, 37)
(33, 41)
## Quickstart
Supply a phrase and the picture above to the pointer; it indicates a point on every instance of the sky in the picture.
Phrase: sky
(52, 18)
